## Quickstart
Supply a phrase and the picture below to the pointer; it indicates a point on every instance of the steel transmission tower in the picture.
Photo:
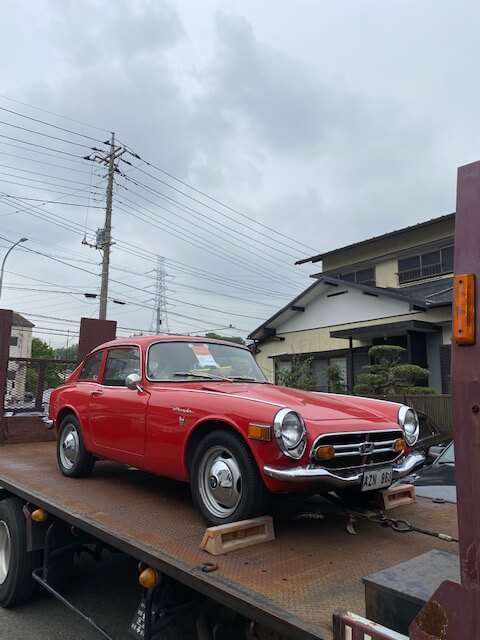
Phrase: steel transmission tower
(160, 318)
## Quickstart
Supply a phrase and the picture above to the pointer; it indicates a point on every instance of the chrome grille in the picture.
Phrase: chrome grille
(358, 449)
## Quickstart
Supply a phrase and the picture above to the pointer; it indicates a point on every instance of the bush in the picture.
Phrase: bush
(300, 375)
(386, 376)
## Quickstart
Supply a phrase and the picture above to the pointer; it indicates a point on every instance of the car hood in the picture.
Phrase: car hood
(310, 405)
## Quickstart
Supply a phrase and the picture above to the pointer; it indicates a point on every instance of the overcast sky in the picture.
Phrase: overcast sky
(317, 123)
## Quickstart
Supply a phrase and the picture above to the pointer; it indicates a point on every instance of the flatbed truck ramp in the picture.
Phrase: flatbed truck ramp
(291, 585)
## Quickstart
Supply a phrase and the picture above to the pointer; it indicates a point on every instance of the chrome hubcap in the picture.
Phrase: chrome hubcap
(69, 446)
(5, 551)
(220, 482)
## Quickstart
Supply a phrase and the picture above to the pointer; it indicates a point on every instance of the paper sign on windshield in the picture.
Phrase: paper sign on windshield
(203, 355)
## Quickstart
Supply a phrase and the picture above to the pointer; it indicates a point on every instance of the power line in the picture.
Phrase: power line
(190, 304)
(40, 146)
(65, 204)
(50, 164)
(45, 135)
(37, 173)
(136, 251)
(76, 159)
(49, 124)
(204, 216)
(214, 200)
(52, 113)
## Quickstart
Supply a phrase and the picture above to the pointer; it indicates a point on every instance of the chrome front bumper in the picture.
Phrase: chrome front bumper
(48, 422)
(329, 479)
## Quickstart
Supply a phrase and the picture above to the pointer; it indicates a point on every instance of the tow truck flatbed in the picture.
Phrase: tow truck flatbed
(292, 584)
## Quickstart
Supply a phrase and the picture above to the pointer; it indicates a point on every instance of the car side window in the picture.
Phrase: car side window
(91, 367)
(120, 363)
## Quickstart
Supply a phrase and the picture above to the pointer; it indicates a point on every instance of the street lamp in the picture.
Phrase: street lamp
(5, 257)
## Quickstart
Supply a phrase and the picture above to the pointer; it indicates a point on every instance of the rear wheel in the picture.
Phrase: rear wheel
(226, 485)
(16, 563)
(73, 459)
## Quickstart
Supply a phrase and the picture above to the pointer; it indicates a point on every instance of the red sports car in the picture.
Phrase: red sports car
(201, 411)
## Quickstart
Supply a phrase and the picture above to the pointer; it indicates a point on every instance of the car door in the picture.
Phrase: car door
(118, 414)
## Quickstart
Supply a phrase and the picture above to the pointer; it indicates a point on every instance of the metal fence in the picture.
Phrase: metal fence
(30, 382)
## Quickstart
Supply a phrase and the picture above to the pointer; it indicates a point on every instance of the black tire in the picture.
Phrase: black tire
(223, 454)
(73, 459)
(16, 563)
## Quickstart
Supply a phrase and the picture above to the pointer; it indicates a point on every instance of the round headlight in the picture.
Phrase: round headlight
(408, 420)
(290, 433)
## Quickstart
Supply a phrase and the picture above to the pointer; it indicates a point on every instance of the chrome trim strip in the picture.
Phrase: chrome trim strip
(345, 454)
(355, 446)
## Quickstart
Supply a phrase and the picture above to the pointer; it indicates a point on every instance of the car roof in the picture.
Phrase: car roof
(144, 341)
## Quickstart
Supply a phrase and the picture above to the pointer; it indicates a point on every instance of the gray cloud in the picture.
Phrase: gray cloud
(341, 124)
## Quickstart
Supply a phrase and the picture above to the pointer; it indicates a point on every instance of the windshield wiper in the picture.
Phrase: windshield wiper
(213, 376)
(205, 376)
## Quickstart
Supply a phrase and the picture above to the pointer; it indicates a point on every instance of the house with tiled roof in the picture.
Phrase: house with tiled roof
(390, 289)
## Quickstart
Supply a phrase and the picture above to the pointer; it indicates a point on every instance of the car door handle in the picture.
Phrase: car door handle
(97, 392)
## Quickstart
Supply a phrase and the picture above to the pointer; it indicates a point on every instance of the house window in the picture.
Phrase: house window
(363, 276)
(426, 265)
(330, 374)
(13, 341)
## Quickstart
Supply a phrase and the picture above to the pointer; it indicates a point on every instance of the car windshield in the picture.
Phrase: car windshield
(174, 361)
(447, 456)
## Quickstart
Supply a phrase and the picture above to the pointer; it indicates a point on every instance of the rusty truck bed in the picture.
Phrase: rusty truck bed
(292, 584)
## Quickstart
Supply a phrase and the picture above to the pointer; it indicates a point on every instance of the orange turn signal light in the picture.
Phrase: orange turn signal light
(464, 309)
(149, 578)
(259, 432)
(399, 444)
(326, 452)
(39, 515)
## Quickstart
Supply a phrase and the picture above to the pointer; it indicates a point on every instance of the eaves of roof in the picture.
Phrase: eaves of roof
(391, 234)
(19, 321)
(298, 304)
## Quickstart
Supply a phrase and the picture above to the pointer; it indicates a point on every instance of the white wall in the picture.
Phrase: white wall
(352, 306)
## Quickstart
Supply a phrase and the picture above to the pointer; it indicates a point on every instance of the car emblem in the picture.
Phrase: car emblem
(213, 482)
(366, 448)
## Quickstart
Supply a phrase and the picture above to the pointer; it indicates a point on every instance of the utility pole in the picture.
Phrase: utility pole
(106, 242)
(102, 314)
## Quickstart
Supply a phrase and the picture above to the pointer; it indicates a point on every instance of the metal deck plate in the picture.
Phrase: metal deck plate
(293, 583)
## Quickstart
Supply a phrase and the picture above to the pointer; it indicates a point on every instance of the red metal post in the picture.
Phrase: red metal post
(93, 332)
(453, 613)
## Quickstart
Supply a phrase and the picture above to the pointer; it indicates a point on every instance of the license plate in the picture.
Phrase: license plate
(377, 479)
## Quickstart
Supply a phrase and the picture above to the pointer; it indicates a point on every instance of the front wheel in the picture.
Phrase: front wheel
(16, 563)
(73, 459)
(225, 482)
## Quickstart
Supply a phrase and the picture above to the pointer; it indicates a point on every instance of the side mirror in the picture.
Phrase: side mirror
(132, 381)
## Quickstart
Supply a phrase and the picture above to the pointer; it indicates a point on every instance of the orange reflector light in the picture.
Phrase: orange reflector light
(259, 432)
(39, 515)
(464, 309)
(148, 578)
(399, 444)
(325, 453)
